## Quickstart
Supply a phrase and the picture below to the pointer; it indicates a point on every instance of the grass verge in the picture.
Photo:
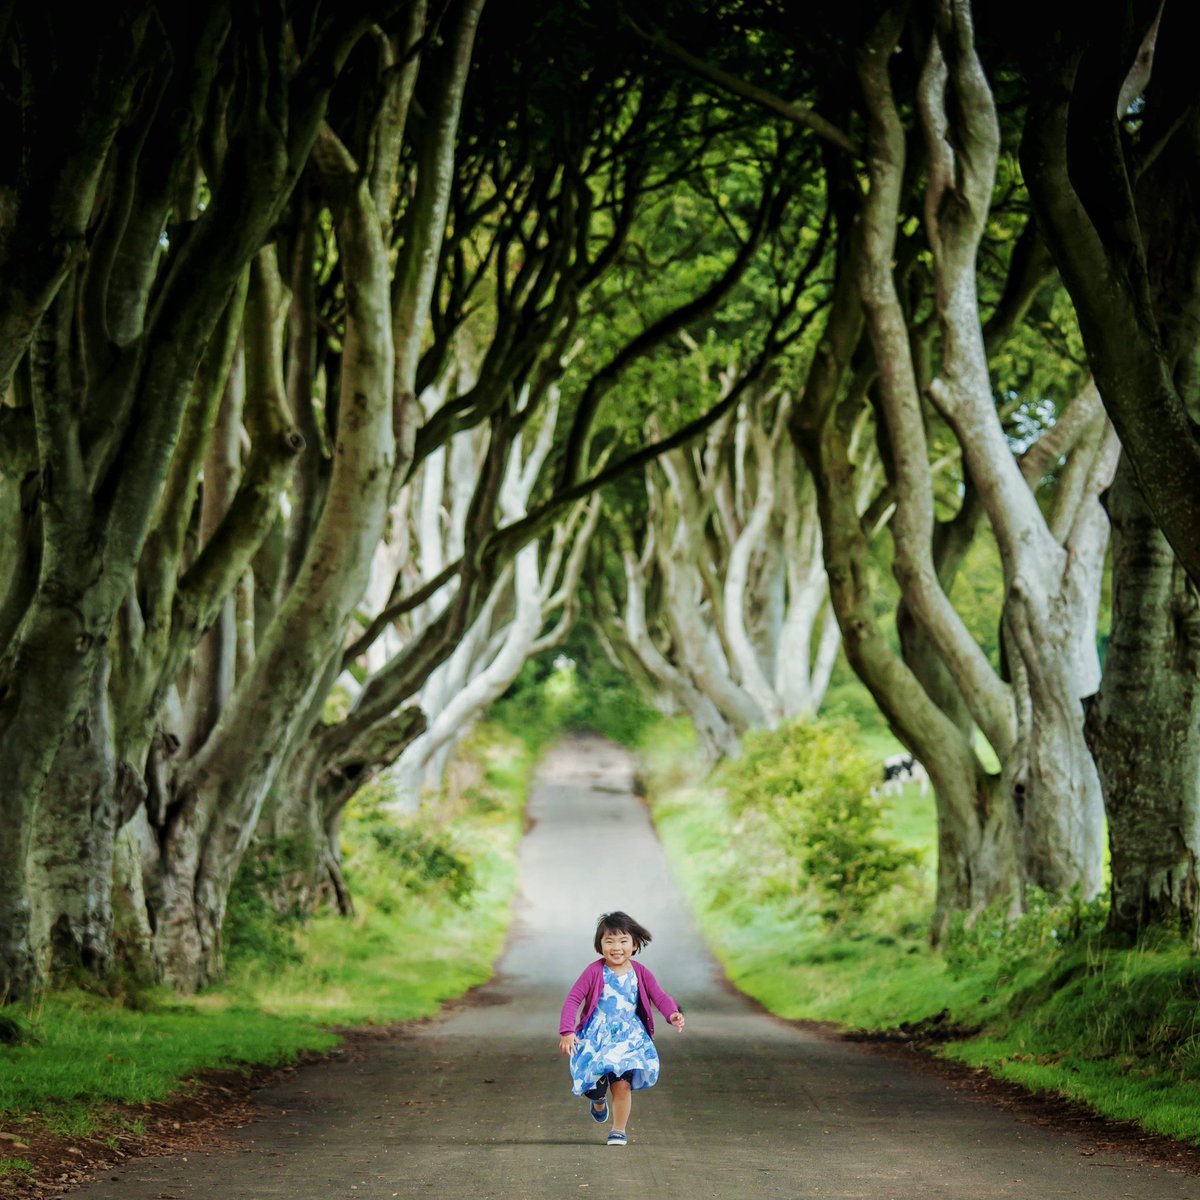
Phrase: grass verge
(433, 900)
(1055, 1008)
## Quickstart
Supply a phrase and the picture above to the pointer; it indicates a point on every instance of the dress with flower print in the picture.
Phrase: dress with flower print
(614, 1038)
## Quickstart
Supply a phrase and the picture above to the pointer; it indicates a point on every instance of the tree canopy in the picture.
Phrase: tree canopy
(345, 354)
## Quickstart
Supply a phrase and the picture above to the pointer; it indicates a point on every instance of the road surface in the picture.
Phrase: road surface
(477, 1103)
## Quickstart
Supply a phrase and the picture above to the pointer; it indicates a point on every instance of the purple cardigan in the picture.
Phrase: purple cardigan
(587, 988)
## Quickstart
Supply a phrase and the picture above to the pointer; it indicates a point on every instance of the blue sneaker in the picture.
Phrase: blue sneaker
(599, 1115)
(617, 1138)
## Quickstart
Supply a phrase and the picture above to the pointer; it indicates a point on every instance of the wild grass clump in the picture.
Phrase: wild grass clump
(1117, 1028)
(1049, 924)
(15, 1168)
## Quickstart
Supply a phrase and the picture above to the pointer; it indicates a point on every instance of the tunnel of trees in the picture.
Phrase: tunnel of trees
(345, 350)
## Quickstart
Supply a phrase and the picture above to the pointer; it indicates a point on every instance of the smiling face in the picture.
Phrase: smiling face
(617, 948)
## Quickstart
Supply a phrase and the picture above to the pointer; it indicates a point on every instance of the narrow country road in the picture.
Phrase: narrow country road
(477, 1103)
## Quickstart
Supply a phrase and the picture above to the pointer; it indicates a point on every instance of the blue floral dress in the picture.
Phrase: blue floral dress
(614, 1040)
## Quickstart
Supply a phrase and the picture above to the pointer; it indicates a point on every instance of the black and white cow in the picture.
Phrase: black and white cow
(900, 769)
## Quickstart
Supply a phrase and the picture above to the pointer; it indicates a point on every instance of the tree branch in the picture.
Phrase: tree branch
(806, 118)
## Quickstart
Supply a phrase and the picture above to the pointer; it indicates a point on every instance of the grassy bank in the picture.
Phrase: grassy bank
(432, 906)
(1054, 1008)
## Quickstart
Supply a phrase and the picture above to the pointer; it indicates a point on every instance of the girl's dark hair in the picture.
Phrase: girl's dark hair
(619, 922)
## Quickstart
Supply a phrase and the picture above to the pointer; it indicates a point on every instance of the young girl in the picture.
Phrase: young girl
(606, 1024)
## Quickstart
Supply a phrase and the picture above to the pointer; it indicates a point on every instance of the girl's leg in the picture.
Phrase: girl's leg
(622, 1102)
(596, 1094)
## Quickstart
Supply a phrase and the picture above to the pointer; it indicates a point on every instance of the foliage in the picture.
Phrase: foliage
(533, 707)
(1046, 925)
(262, 916)
(770, 934)
(804, 794)
(412, 857)
(432, 896)
(575, 690)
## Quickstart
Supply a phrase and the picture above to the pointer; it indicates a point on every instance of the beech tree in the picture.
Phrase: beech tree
(1052, 565)
(102, 348)
(909, 360)
(1110, 152)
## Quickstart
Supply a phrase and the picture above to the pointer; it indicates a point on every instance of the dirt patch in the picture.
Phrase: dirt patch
(929, 1031)
(198, 1117)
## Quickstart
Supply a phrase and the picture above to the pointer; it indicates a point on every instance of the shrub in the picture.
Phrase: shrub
(801, 794)
(422, 860)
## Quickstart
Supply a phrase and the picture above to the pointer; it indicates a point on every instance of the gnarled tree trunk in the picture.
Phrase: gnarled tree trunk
(1144, 725)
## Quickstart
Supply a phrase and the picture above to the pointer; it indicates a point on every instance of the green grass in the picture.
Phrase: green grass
(1058, 1010)
(15, 1167)
(89, 1049)
(400, 961)
(412, 945)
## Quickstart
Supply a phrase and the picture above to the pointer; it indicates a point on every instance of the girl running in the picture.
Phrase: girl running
(607, 1027)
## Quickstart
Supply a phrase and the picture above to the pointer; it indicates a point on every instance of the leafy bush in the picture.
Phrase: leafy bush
(417, 859)
(802, 796)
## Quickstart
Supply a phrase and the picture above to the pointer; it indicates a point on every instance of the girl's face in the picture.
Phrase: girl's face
(617, 948)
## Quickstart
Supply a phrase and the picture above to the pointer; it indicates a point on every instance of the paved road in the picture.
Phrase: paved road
(477, 1103)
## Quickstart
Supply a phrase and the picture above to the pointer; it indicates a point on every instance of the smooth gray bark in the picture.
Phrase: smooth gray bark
(1144, 725)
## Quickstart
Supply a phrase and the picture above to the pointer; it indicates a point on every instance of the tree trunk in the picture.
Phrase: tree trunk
(71, 861)
(114, 359)
(978, 864)
(293, 823)
(1056, 788)
(213, 663)
(218, 795)
(716, 734)
(978, 848)
(1144, 726)
(1128, 255)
